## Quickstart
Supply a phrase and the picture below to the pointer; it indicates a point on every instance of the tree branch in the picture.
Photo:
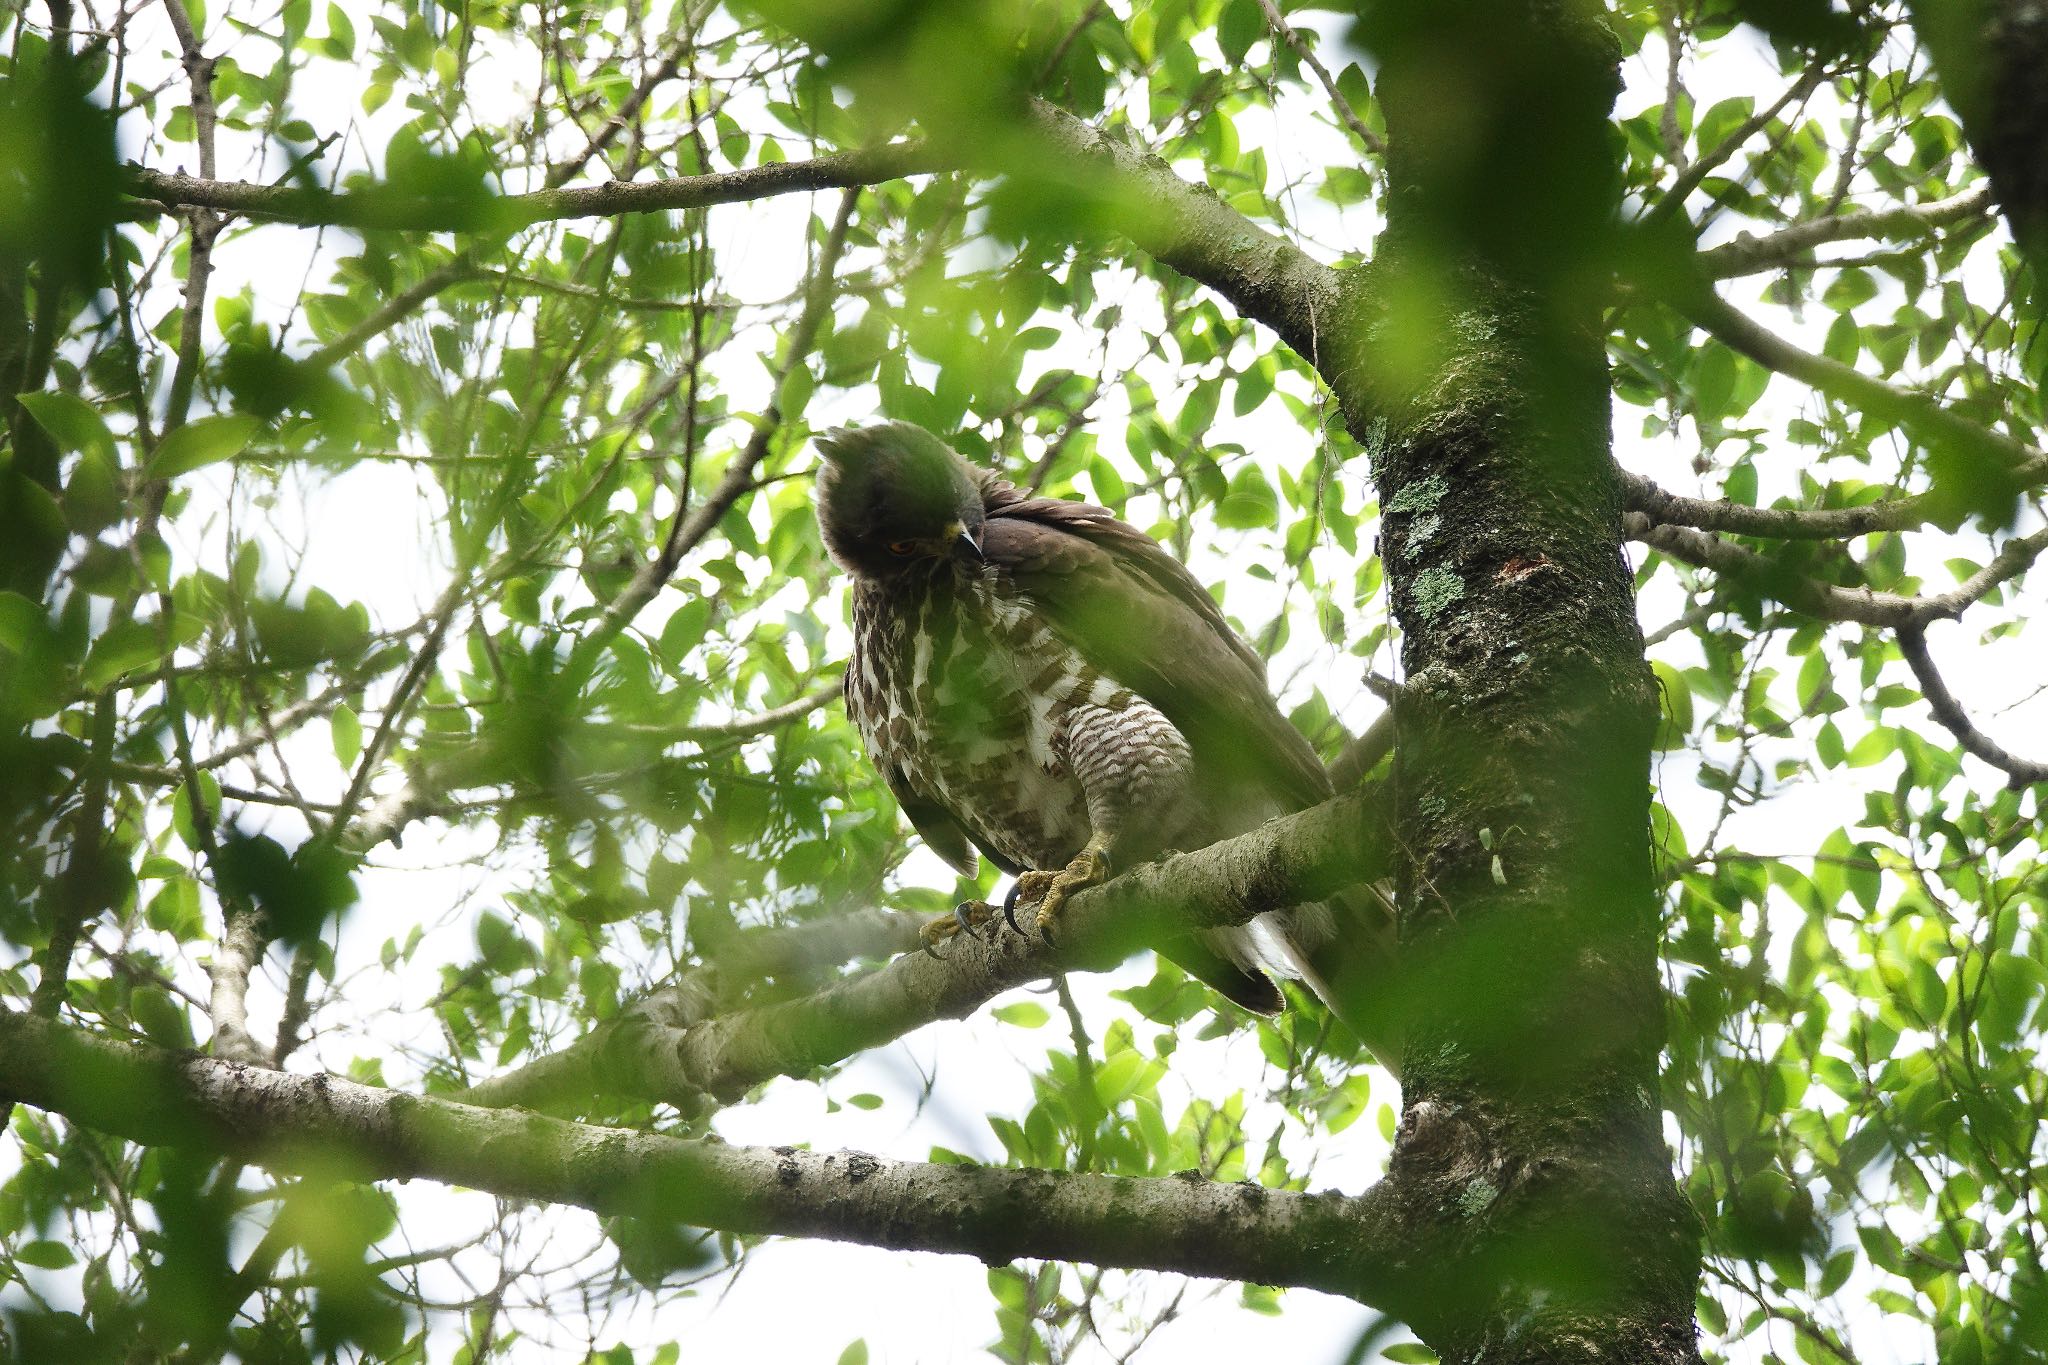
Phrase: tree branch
(1926, 418)
(741, 727)
(1826, 601)
(396, 309)
(1942, 702)
(1352, 1246)
(1181, 225)
(1363, 754)
(1748, 253)
(1301, 858)
(1773, 523)
(382, 208)
(1264, 276)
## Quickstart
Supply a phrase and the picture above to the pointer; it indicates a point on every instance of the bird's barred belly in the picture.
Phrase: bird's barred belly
(1009, 727)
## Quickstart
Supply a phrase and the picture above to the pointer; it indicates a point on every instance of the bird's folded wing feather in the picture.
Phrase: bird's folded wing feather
(1138, 616)
(940, 829)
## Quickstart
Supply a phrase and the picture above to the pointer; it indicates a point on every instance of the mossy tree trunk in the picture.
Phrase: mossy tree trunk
(1471, 362)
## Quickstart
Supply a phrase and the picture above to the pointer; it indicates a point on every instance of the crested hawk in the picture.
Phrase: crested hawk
(1041, 682)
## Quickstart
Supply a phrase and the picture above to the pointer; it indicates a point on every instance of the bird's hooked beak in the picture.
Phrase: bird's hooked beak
(967, 542)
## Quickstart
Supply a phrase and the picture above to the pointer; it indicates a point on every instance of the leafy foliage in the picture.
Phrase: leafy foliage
(325, 563)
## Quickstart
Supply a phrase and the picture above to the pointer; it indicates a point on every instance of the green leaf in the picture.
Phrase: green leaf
(21, 622)
(856, 1352)
(1874, 747)
(46, 1255)
(199, 443)
(1409, 1353)
(1117, 1079)
(1250, 504)
(1675, 697)
(1023, 1014)
(347, 732)
(340, 42)
(1240, 26)
(72, 422)
(127, 646)
(181, 808)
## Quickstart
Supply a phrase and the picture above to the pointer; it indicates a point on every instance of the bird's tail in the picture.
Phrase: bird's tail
(1343, 951)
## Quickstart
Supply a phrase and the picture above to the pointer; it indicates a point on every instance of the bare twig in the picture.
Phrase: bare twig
(205, 225)
(692, 524)
(1374, 143)
(1689, 177)
(2020, 771)
(741, 727)
(396, 309)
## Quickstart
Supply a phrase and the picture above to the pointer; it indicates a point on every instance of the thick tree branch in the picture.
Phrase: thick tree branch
(1942, 702)
(1775, 523)
(1351, 1246)
(1748, 253)
(1264, 276)
(1181, 225)
(1304, 857)
(1826, 601)
(378, 208)
(784, 952)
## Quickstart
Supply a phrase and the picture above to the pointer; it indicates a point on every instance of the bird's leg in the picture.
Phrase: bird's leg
(967, 916)
(1090, 867)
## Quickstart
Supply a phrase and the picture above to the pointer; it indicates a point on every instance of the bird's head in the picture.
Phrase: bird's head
(893, 497)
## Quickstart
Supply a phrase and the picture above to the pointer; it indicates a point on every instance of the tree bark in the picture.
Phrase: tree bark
(1472, 367)
(340, 1130)
(1992, 56)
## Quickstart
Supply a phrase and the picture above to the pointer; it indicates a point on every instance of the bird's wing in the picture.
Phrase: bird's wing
(940, 829)
(1137, 615)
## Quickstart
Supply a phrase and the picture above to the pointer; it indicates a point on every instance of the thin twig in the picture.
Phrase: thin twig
(1374, 143)
(2019, 771)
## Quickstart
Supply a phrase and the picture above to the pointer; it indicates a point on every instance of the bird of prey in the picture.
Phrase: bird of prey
(1042, 682)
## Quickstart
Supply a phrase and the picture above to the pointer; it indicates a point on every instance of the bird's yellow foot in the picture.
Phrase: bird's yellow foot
(967, 916)
(1051, 889)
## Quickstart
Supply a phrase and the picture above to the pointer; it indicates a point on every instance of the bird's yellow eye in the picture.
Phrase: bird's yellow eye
(901, 547)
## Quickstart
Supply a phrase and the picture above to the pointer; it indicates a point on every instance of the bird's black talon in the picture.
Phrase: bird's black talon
(971, 915)
(1010, 907)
